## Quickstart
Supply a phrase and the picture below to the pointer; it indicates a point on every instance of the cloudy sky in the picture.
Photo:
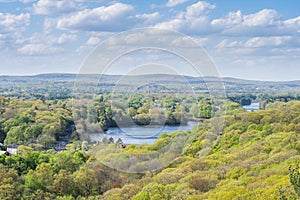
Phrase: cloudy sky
(258, 39)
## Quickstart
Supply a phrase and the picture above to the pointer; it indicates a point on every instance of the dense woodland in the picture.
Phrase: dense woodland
(256, 156)
(61, 86)
(34, 122)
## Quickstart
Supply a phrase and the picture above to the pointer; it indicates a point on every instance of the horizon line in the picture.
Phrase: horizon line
(186, 75)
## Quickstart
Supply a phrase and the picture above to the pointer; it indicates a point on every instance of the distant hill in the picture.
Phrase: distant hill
(62, 85)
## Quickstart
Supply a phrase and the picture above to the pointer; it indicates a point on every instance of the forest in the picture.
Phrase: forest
(256, 156)
(149, 100)
(61, 86)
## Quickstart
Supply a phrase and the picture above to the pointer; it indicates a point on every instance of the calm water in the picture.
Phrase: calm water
(252, 106)
(140, 135)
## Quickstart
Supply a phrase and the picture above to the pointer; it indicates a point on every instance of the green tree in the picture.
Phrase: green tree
(294, 173)
(33, 131)
(8, 182)
(67, 160)
(46, 140)
(15, 135)
(63, 183)
(39, 179)
(85, 182)
(205, 111)
(143, 119)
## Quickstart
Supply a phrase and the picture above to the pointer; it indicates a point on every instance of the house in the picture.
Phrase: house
(2, 152)
(8, 150)
(13, 150)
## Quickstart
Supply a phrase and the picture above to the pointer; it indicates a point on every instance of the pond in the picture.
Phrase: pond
(140, 135)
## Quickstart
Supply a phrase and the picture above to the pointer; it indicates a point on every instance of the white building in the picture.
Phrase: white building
(13, 150)
(2, 152)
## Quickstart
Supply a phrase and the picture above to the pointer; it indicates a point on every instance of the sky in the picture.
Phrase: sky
(257, 40)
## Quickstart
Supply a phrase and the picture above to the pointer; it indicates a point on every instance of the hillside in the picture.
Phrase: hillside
(255, 157)
(62, 85)
(250, 160)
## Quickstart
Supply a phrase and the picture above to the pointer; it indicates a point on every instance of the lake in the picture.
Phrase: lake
(252, 106)
(140, 135)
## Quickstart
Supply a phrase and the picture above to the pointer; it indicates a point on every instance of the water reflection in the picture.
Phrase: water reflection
(140, 135)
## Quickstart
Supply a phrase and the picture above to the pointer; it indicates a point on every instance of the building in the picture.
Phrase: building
(13, 150)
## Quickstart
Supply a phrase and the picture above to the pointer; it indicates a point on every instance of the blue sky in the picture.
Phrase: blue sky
(258, 39)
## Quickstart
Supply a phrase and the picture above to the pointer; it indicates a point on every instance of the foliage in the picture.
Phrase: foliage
(34, 122)
(256, 156)
(295, 178)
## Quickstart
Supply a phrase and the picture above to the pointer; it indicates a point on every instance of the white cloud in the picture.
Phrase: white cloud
(274, 46)
(266, 22)
(265, 17)
(172, 3)
(229, 44)
(10, 1)
(12, 28)
(39, 44)
(92, 41)
(98, 1)
(116, 17)
(27, 1)
(51, 39)
(112, 18)
(194, 20)
(62, 39)
(54, 7)
(89, 45)
(95, 39)
(293, 21)
(38, 49)
(257, 42)
(148, 18)
(49, 24)
(199, 8)
(293, 25)
(233, 18)
(10, 22)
